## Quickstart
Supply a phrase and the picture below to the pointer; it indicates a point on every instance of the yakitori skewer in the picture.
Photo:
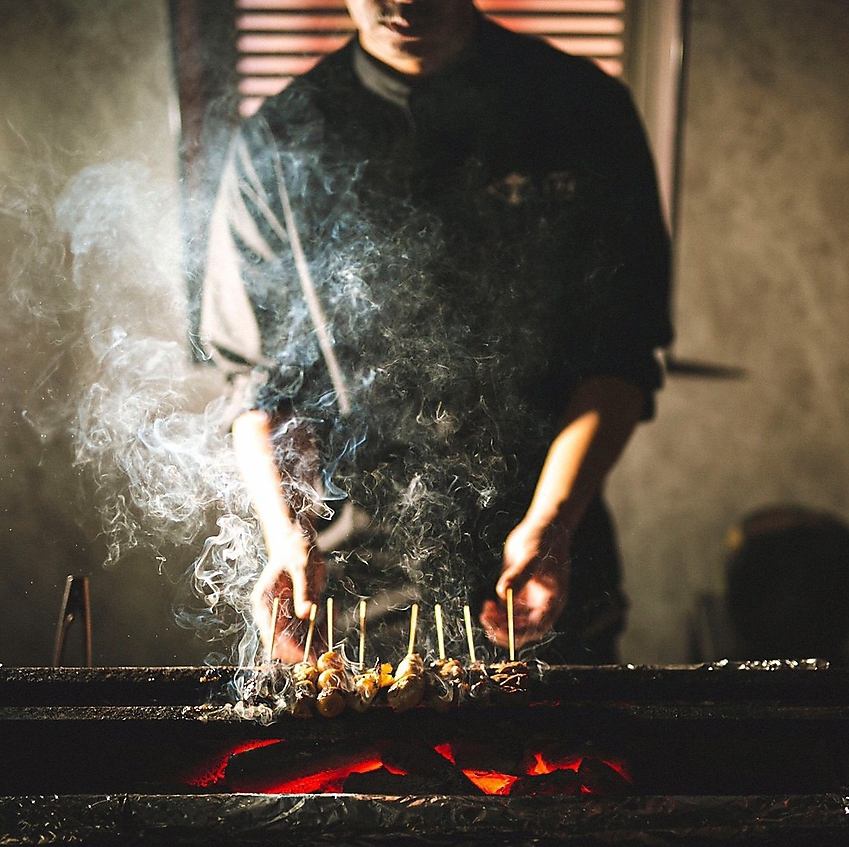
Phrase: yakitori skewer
(440, 635)
(408, 689)
(439, 690)
(467, 615)
(305, 676)
(448, 670)
(366, 683)
(275, 611)
(362, 634)
(475, 676)
(512, 677)
(330, 660)
(310, 631)
(333, 681)
(511, 640)
(414, 618)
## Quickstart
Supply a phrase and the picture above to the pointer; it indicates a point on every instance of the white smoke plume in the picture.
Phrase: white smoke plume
(151, 426)
(144, 425)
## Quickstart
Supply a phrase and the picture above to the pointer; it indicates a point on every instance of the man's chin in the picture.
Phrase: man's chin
(417, 46)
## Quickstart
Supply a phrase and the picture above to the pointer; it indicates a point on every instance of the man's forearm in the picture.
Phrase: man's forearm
(599, 421)
(254, 451)
(293, 565)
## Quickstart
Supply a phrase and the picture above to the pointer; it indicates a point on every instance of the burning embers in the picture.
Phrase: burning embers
(404, 767)
(374, 754)
(538, 774)
(435, 728)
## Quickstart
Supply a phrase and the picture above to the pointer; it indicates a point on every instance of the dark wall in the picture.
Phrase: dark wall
(85, 83)
(762, 285)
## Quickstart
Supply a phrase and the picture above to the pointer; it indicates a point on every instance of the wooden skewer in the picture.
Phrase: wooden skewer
(329, 623)
(414, 618)
(440, 636)
(275, 610)
(511, 640)
(310, 631)
(362, 634)
(467, 614)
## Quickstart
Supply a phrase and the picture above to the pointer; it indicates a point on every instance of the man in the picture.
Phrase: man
(443, 248)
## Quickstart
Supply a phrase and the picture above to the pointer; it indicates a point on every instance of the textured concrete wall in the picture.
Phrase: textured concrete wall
(85, 83)
(762, 284)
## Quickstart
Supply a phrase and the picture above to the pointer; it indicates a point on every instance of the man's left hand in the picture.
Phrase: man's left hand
(536, 567)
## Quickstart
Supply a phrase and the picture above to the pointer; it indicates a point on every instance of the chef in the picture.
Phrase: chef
(439, 263)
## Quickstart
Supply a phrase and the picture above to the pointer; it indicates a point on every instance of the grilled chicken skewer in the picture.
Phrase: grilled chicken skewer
(333, 682)
(409, 686)
(305, 676)
(327, 686)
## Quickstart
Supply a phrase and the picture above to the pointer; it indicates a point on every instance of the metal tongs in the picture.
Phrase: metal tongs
(75, 606)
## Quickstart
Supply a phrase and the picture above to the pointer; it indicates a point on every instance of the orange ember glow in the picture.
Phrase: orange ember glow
(492, 782)
(495, 783)
(329, 781)
(542, 766)
(212, 770)
(573, 763)
(446, 752)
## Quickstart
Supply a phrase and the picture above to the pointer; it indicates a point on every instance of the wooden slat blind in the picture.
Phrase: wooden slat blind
(279, 39)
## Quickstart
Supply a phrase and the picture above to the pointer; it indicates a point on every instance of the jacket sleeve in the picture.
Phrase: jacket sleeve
(243, 264)
(630, 256)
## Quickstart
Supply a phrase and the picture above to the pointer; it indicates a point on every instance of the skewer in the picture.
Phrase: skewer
(440, 637)
(310, 631)
(467, 614)
(511, 640)
(414, 617)
(275, 610)
(362, 634)
(329, 623)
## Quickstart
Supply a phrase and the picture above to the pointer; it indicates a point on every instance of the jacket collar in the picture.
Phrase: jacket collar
(395, 87)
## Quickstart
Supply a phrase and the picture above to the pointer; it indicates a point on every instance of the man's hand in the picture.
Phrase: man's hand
(295, 571)
(296, 574)
(536, 567)
(597, 424)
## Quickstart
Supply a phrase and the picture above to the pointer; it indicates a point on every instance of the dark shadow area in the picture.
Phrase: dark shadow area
(787, 589)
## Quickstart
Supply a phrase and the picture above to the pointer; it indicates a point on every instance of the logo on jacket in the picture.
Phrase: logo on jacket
(516, 189)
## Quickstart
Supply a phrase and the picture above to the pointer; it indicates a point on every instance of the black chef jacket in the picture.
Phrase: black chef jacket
(480, 241)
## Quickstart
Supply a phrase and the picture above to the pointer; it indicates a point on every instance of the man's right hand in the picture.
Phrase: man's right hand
(295, 573)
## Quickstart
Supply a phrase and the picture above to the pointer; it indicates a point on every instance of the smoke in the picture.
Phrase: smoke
(418, 453)
(157, 448)
(435, 447)
(93, 280)
(441, 420)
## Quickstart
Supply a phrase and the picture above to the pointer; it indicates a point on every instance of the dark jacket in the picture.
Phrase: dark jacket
(479, 241)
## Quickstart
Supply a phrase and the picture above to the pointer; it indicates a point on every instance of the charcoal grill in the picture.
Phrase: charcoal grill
(721, 753)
